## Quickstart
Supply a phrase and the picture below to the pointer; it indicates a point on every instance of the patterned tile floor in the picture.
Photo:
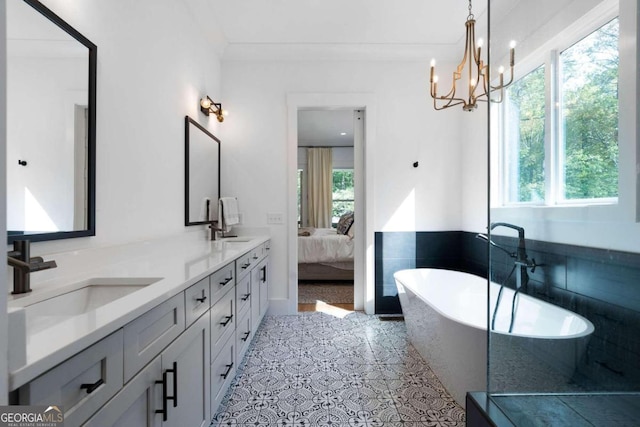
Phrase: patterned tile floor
(316, 369)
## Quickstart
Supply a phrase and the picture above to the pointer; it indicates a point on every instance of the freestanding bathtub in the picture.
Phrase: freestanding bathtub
(446, 316)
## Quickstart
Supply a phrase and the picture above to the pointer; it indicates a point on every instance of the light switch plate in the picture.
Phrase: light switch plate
(275, 218)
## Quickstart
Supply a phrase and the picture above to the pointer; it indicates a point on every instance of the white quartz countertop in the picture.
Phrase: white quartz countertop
(175, 263)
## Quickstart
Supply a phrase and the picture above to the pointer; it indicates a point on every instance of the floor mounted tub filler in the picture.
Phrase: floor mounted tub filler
(447, 312)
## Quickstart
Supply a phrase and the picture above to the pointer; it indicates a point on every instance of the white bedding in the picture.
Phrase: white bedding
(325, 245)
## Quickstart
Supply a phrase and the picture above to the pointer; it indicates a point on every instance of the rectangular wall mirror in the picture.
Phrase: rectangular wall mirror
(51, 119)
(202, 173)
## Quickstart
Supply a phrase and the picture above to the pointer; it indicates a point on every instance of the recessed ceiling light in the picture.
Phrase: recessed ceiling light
(343, 133)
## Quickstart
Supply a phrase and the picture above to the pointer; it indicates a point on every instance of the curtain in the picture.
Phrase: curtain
(319, 186)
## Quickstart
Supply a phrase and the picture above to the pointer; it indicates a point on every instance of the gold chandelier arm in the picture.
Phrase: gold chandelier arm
(448, 104)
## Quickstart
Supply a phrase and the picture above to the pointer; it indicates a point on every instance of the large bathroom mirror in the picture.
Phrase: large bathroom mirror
(51, 118)
(202, 173)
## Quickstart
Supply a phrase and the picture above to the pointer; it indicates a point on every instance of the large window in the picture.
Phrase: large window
(577, 158)
(525, 137)
(589, 111)
(343, 193)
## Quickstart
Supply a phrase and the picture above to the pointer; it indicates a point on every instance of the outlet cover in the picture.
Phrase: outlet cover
(275, 218)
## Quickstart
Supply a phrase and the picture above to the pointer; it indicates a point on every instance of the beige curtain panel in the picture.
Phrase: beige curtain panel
(320, 186)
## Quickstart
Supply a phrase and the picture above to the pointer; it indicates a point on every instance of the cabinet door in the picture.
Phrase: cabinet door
(136, 404)
(255, 298)
(263, 277)
(187, 368)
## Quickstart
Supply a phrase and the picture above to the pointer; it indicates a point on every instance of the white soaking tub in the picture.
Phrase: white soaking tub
(446, 316)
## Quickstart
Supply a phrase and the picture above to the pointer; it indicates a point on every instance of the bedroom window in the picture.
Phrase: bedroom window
(559, 132)
(343, 194)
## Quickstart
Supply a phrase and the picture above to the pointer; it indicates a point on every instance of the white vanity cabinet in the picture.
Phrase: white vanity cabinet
(173, 390)
(170, 365)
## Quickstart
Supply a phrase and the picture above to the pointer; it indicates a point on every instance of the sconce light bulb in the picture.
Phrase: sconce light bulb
(501, 70)
(433, 62)
(205, 103)
(225, 113)
(512, 44)
(480, 42)
(435, 79)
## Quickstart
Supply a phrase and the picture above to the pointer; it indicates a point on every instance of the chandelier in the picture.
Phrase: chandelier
(479, 79)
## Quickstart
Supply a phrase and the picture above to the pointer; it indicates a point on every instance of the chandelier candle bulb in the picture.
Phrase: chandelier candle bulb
(512, 52)
(433, 69)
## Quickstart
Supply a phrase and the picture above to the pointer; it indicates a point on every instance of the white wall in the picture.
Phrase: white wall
(407, 130)
(154, 65)
(474, 154)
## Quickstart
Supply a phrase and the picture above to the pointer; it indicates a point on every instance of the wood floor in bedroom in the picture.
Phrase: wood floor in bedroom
(324, 307)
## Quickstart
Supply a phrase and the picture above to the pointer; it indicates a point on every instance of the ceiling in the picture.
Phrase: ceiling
(325, 128)
(282, 30)
(336, 29)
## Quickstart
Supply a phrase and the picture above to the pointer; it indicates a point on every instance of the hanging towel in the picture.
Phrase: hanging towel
(229, 212)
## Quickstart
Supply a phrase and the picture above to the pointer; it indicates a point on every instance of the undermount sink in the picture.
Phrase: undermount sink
(46, 308)
(236, 239)
(40, 317)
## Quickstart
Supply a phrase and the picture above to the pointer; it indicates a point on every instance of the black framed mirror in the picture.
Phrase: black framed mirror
(202, 174)
(51, 126)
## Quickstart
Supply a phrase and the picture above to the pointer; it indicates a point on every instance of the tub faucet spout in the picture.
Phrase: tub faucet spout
(522, 262)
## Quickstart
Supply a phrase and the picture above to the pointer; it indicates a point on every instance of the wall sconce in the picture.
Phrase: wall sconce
(208, 107)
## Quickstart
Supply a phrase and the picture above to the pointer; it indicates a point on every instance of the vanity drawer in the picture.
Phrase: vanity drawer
(223, 370)
(223, 321)
(256, 254)
(82, 384)
(196, 300)
(243, 265)
(244, 334)
(146, 336)
(243, 294)
(221, 281)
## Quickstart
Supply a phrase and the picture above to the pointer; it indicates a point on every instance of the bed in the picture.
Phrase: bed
(325, 254)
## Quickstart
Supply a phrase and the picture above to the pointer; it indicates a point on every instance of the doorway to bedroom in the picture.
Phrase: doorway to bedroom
(326, 205)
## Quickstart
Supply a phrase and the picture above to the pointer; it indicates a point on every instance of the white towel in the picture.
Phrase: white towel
(229, 215)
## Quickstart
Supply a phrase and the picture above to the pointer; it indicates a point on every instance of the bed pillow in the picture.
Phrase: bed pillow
(345, 223)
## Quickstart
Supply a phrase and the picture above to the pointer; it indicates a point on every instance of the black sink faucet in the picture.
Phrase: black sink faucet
(19, 258)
